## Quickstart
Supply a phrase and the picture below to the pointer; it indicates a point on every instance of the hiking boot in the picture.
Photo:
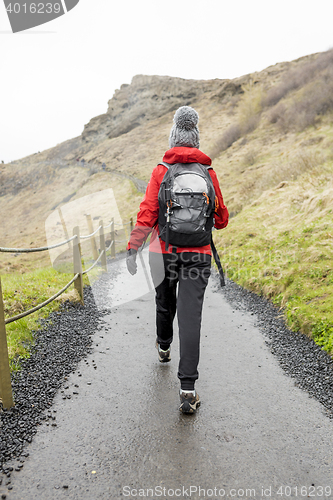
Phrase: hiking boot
(188, 402)
(163, 356)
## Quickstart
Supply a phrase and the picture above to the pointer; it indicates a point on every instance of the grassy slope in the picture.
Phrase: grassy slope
(281, 247)
(279, 183)
(276, 181)
(24, 291)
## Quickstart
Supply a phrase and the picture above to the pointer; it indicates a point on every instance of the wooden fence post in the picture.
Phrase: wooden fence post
(113, 240)
(6, 394)
(64, 227)
(102, 246)
(92, 239)
(78, 283)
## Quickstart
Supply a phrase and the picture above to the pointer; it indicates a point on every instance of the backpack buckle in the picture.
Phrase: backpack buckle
(206, 196)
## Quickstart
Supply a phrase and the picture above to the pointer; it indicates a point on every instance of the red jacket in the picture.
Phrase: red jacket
(148, 214)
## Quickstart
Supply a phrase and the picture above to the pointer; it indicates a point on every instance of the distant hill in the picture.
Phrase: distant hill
(133, 135)
(270, 135)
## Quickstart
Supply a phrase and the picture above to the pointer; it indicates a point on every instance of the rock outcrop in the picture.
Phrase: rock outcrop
(148, 98)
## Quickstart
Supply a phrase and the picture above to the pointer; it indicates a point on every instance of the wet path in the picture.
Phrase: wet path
(123, 436)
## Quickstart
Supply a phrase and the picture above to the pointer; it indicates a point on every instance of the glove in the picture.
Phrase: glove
(131, 261)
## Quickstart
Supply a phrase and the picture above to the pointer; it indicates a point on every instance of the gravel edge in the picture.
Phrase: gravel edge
(298, 355)
(63, 341)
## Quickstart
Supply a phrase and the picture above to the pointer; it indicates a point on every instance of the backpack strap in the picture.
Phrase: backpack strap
(167, 165)
(218, 262)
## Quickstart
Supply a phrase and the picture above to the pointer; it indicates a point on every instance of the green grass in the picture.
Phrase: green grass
(281, 247)
(24, 291)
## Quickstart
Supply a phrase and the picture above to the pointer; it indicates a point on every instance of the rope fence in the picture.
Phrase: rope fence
(95, 263)
(109, 247)
(118, 224)
(30, 311)
(40, 249)
(6, 395)
(92, 234)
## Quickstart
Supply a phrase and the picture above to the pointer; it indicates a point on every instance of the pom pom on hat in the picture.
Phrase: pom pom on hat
(185, 132)
(186, 118)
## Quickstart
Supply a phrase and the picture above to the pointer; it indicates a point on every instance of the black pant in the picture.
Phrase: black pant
(191, 270)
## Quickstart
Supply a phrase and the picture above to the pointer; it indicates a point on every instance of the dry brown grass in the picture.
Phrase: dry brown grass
(276, 177)
(245, 166)
(306, 108)
(248, 118)
(298, 77)
(307, 94)
(30, 209)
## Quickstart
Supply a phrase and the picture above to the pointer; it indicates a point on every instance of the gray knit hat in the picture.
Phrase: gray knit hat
(185, 132)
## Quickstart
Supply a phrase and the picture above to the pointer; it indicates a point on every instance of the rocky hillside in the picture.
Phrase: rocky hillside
(270, 135)
(129, 138)
(148, 98)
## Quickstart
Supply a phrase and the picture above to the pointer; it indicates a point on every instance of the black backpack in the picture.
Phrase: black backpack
(186, 205)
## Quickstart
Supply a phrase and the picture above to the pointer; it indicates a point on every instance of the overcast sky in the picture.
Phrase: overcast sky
(56, 77)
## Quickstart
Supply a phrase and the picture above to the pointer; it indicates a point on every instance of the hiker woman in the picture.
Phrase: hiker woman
(183, 201)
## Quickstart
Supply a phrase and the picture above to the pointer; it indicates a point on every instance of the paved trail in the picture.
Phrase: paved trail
(123, 431)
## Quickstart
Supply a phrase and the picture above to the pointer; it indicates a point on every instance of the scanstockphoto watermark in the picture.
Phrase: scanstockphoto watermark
(217, 492)
(25, 14)
(87, 215)
(187, 492)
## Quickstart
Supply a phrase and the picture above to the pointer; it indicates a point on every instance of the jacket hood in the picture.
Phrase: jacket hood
(186, 155)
